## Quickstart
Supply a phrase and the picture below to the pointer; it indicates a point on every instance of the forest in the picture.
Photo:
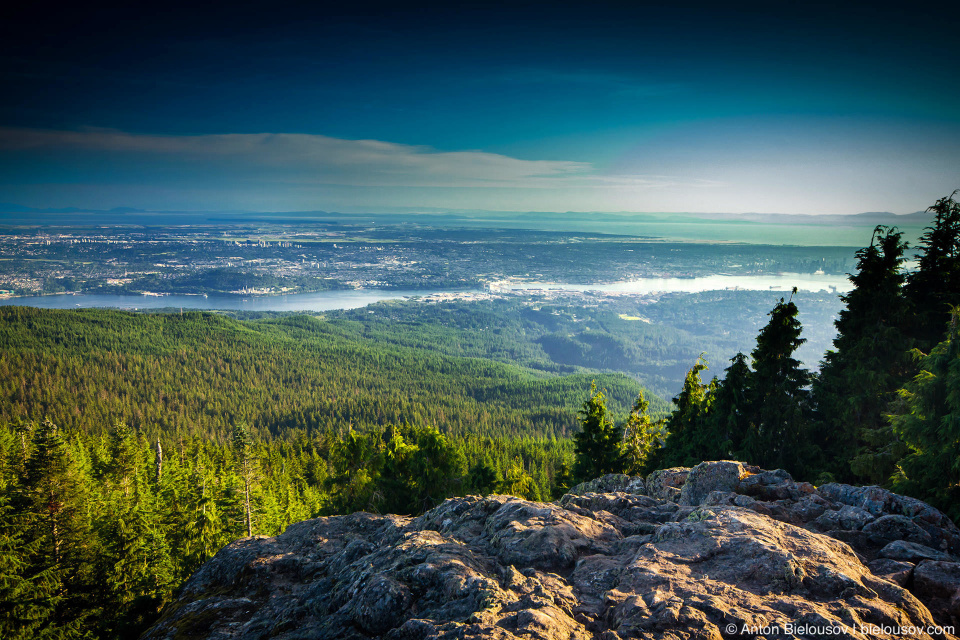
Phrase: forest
(134, 446)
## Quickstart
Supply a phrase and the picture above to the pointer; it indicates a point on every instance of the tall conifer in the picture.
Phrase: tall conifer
(778, 397)
(859, 377)
(936, 284)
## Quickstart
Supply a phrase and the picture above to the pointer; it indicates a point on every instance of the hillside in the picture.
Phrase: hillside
(202, 372)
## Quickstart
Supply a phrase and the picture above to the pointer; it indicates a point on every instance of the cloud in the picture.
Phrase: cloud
(304, 159)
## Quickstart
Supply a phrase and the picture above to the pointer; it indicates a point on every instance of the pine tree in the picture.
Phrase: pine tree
(685, 444)
(517, 482)
(435, 467)
(777, 396)
(28, 599)
(50, 501)
(122, 455)
(245, 467)
(134, 565)
(936, 284)
(642, 438)
(482, 477)
(927, 418)
(859, 378)
(728, 420)
(597, 445)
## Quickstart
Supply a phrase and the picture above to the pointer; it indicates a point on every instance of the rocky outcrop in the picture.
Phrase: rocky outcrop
(723, 550)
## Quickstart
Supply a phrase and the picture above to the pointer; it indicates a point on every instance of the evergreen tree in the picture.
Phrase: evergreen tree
(859, 378)
(245, 467)
(50, 501)
(728, 420)
(355, 460)
(517, 482)
(927, 418)
(778, 398)
(122, 456)
(28, 599)
(562, 479)
(642, 438)
(936, 284)
(436, 467)
(134, 566)
(597, 445)
(482, 477)
(686, 442)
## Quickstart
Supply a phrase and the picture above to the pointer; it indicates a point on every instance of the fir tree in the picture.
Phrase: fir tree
(245, 467)
(50, 501)
(927, 418)
(597, 445)
(778, 398)
(482, 477)
(686, 444)
(859, 378)
(728, 420)
(517, 482)
(642, 438)
(122, 455)
(28, 598)
(936, 284)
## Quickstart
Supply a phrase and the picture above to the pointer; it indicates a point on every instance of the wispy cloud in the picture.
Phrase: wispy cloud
(304, 159)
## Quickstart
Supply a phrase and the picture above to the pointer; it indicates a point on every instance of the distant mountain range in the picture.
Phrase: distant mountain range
(14, 214)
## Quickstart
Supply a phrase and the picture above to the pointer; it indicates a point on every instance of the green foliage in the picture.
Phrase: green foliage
(517, 482)
(94, 542)
(935, 286)
(778, 398)
(642, 438)
(759, 415)
(686, 426)
(160, 373)
(859, 378)
(927, 418)
(598, 445)
(728, 422)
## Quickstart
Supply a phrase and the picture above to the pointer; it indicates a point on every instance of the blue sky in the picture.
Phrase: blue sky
(541, 107)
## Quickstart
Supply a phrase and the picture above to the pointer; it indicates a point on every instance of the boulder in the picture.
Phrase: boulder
(747, 549)
(911, 552)
(892, 570)
(896, 527)
(706, 477)
(938, 583)
(665, 484)
(611, 483)
(847, 518)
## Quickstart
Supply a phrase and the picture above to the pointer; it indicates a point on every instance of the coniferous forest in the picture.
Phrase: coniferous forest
(134, 446)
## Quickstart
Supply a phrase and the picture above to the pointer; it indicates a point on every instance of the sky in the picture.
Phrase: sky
(669, 107)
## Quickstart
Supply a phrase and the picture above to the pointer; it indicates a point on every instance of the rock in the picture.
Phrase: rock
(611, 483)
(665, 484)
(896, 527)
(911, 552)
(604, 562)
(847, 518)
(938, 583)
(892, 570)
(706, 477)
(810, 507)
(878, 501)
